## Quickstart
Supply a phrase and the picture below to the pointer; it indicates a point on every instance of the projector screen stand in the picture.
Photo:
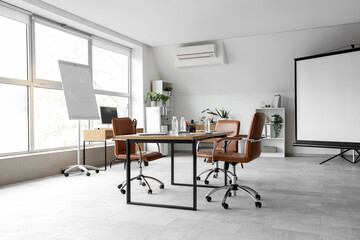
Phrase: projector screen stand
(341, 154)
(78, 166)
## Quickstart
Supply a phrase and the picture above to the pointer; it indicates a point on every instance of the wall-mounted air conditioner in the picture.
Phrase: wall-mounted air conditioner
(199, 51)
(200, 54)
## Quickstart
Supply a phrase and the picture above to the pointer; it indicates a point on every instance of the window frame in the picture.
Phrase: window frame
(32, 82)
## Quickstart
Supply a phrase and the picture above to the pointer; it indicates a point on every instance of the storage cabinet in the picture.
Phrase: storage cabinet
(161, 86)
(272, 146)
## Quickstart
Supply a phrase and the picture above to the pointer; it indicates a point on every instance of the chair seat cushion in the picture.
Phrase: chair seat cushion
(207, 153)
(146, 156)
(231, 157)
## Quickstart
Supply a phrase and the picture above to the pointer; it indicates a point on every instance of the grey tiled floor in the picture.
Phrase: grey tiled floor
(301, 200)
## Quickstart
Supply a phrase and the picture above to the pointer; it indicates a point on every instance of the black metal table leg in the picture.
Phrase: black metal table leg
(225, 180)
(105, 156)
(84, 153)
(172, 163)
(194, 175)
(128, 172)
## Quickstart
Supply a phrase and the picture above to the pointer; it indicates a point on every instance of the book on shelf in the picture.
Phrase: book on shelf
(268, 131)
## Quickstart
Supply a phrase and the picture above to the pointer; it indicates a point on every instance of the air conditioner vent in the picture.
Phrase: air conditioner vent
(199, 51)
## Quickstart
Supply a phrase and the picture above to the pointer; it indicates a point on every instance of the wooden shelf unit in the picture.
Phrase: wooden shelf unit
(278, 143)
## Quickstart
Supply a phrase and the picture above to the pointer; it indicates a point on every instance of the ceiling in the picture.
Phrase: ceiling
(172, 22)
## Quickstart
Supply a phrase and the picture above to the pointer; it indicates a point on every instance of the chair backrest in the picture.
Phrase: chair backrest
(228, 126)
(253, 149)
(123, 126)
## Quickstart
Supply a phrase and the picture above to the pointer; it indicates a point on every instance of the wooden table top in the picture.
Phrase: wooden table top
(184, 136)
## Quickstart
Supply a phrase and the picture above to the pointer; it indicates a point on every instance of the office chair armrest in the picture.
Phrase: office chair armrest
(140, 151)
(158, 145)
(197, 146)
(229, 139)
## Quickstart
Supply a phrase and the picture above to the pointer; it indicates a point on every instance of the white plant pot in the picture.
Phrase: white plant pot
(153, 104)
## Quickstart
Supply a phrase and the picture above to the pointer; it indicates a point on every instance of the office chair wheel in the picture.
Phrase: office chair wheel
(149, 191)
(119, 186)
(161, 186)
(123, 191)
(206, 182)
(82, 170)
(62, 171)
(198, 178)
(66, 174)
(257, 197)
(88, 174)
(208, 198)
(225, 205)
(143, 184)
(229, 194)
(97, 171)
(258, 204)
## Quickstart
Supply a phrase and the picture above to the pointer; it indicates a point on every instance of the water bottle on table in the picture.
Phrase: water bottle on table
(207, 125)
(175, 126)
(182, 124)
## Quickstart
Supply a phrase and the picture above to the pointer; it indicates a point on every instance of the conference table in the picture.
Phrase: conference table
(185, 138)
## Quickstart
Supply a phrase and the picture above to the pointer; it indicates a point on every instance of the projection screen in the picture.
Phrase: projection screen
(327, 100)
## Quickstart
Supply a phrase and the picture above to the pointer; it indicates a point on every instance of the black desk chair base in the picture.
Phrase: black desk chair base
(215, 171)
(231, 191)
(143, 182)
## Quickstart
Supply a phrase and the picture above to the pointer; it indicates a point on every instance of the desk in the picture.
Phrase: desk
(101, 135)
(182, 138)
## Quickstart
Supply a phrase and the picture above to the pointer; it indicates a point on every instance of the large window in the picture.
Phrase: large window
(34, 114)
(110, 70)
(52, 127)
(52, 45)
(111, 77)
(14, 122)
(14, 118)
(13, 54)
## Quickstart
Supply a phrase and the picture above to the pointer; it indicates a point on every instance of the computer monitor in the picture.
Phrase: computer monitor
(107, 114)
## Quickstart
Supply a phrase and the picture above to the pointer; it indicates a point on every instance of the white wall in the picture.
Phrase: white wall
(258, 67)
(20, 168)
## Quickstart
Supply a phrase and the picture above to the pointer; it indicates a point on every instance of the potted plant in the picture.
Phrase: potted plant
(222, 113)
(153, 98)
(277, 126)
(163, 98)
(168, 90)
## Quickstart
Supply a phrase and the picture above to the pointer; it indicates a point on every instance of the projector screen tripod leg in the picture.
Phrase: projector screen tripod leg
(337, 155)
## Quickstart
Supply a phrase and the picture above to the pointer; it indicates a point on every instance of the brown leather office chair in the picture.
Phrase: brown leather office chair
(221, 126)
(124, 126)
(134, 123)
(253, 150)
